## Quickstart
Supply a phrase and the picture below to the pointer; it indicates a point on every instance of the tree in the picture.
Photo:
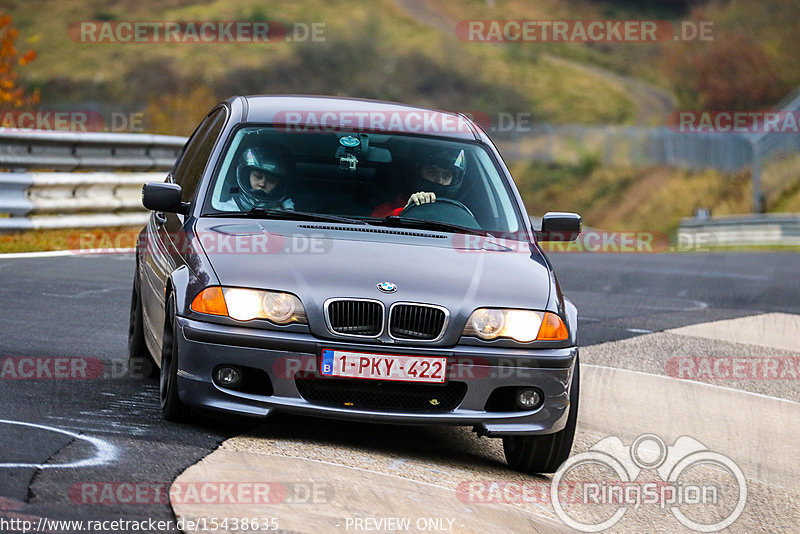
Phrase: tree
(731, 72)
(178, 114)
(12, 96)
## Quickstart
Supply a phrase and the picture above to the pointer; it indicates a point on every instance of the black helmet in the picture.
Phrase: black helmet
(274, 161)
(452, 160)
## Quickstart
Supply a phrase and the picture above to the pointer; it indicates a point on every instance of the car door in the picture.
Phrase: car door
(166, 235)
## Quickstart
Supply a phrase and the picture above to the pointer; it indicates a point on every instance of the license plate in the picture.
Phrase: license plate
(350, 364)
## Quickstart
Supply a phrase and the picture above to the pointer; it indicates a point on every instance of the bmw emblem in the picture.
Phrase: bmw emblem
(387, 287)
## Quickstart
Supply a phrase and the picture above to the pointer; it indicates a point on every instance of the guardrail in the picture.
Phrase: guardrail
(629, 146)
(32, 197)
(74, 151)
(642, 146)
(774, 229)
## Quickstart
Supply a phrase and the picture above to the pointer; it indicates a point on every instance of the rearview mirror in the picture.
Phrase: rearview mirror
(164, 197)
(560, 226)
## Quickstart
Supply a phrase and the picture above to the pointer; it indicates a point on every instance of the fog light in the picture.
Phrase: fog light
(228, 376)
(528, 398)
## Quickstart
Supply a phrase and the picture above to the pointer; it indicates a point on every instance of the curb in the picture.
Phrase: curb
(757, 432)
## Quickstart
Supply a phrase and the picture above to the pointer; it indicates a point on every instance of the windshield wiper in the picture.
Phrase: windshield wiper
(410, 222)
(261, 213)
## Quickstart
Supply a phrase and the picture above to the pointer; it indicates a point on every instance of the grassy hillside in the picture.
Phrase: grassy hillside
(409, 51)
(653, 199)
(391, 56)
(750, 63)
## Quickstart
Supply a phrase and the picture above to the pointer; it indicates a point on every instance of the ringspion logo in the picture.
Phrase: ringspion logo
(623, 488)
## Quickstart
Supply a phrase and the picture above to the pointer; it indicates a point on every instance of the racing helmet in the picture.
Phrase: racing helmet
(274, 161)
(451, 160)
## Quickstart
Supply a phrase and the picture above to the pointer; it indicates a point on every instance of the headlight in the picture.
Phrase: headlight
(280, 307)
(521, 325)
(487, 323)
(243, 304)
(248, 304)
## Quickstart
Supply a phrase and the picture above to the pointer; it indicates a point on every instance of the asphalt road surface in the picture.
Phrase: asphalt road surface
(61, 437)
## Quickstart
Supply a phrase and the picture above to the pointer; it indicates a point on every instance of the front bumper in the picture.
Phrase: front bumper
(203, 346)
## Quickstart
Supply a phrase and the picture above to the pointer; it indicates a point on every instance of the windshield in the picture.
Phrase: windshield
(367, 178)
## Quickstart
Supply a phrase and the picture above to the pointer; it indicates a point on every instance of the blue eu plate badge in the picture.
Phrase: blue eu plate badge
(327, 362)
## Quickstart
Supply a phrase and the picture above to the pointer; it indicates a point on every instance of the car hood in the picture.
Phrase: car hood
(319, 261)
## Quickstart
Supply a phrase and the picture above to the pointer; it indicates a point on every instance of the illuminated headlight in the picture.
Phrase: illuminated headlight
(280, 308)
(521, 325)
(247, 304)
(243, 304)
(487, 323)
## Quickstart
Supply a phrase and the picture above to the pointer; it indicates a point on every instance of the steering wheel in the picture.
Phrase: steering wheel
(444, 210)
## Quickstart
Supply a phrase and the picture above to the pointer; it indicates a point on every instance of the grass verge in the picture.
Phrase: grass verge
(68, 239)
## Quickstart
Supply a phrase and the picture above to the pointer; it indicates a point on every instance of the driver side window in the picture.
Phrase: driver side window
(189, 168)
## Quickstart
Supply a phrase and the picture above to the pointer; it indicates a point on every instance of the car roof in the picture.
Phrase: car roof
(310, 113)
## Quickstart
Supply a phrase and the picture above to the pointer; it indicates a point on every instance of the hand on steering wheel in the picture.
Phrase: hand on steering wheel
(438, 209)
(420, 197)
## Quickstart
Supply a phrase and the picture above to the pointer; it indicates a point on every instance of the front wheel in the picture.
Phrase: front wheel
(544, 454)
(140, 363)
(172, 408)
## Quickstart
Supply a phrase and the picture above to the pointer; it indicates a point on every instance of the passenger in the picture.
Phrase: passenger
(262, 175)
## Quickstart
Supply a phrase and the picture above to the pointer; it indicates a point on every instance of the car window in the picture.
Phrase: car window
(498, 198)
(364, 176)
(189, 169)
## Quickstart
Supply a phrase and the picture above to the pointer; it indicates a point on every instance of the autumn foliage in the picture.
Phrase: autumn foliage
(12, 96)
(177, 114)
(732, 72)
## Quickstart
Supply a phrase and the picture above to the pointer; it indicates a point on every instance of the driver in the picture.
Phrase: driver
(440, 172)
(262, 176)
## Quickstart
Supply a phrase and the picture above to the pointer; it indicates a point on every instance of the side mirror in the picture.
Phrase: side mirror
(560, 226)
(164, 197)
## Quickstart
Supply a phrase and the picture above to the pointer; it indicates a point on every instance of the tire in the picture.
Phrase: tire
(172, 408)
(544, 454)
(140, 362)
